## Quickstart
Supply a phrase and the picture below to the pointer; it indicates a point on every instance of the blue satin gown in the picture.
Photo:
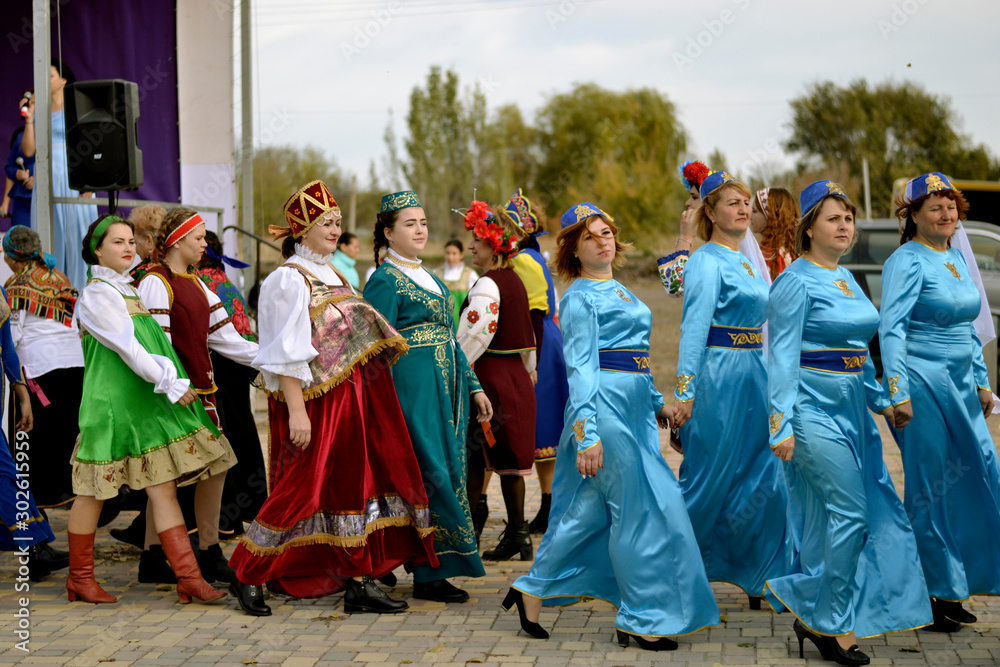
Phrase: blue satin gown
(856, 565)
(623, 536)
(732, 482)
(933, 358)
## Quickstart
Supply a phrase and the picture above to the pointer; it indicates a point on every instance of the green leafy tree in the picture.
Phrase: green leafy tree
(901, 129)
(278, 171)
(619, 150)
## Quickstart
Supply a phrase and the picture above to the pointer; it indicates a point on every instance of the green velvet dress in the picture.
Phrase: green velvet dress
(433, 382)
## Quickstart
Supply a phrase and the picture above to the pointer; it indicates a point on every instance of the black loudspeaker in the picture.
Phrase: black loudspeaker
(101, 135)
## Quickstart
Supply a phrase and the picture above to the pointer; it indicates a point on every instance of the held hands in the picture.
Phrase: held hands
(299, 428)
(483, 407)
(901, 414)
(785, 450)
(986, 401)
(188, 398)
(663, 417)
(682, 412)
(589, 461)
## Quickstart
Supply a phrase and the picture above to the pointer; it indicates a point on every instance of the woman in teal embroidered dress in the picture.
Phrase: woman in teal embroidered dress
(733, 486)
(936, 377)
(856, 570)
(618, 529)
(435, 387)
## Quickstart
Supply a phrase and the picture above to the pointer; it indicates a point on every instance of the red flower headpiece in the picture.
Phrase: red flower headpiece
(693, 172)
(485, 224)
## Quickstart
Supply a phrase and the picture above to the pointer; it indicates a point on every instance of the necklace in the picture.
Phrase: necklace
(402, 263)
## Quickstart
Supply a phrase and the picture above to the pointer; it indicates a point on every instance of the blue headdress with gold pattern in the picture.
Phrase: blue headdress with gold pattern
(398, 201)
(581, 212)
(925, 184)
(519, 209)
(713, 182)
(817, 192)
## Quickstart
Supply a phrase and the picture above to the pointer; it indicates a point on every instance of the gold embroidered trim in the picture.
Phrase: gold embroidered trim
(954, 271)
(402, 262)
(775, 421)
(749, 270)
(578, 429)
(334, 540)
(682, 383)
(842, 284)
(892, 385)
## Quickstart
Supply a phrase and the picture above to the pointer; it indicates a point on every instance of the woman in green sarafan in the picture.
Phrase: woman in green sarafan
(435, 386)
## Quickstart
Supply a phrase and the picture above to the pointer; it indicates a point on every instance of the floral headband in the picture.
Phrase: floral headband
(482, 222)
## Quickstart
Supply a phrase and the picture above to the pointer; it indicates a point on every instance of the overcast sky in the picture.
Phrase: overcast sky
(327, 72)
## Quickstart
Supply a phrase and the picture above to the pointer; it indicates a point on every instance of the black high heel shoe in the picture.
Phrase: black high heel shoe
(943, 622)
(755, 601)
(514, 596)
(829, 648)
(660, 644)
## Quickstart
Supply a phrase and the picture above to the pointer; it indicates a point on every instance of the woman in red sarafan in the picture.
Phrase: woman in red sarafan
(347, 501)
(496, 334)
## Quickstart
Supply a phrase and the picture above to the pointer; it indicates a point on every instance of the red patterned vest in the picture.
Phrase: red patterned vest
(189, 324)
(514, 331)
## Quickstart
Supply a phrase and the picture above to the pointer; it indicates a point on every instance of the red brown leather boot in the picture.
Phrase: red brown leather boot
(80, 584)
(190, 583)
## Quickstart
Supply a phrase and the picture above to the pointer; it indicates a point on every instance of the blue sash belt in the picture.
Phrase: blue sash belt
(737, 338)
(835, 361)
(625, 361)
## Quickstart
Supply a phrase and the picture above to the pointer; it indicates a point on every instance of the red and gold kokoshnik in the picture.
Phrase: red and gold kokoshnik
(307, 207)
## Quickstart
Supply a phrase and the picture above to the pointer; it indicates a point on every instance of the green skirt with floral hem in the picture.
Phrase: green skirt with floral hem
(131, 436)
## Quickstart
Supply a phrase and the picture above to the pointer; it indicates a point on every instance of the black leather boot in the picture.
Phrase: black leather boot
(43, 560)
(480, 515)
(250, 598)
(365, 596)
(540, 523)
(215, 566)
(514, 540)
(154, 568)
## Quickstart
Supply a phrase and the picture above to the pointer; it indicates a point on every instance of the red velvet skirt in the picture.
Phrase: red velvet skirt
(351, 503)
(508, 386)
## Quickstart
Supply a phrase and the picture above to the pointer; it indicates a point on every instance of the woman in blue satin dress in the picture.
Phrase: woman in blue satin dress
(856, 570)
(618, 528)
(733, 487)
(936, 377)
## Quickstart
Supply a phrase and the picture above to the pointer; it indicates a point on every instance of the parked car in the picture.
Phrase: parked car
(877, 239)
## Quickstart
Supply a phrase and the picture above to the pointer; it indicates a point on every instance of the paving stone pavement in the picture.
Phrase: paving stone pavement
(148, 627)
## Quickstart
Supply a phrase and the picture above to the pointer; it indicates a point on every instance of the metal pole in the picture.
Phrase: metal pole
(868, 189)
(252, 251)
(42, 54)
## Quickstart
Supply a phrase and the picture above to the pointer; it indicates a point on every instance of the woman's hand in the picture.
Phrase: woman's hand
(785, 450)
(187, 398)
(986, 400)
(589, 461)
(664, 417)
(682, 412)
(534, 377)
(687, 230)
(299, 428)
(484, 409)
(890, 414)
(27, 420)
(902, 414)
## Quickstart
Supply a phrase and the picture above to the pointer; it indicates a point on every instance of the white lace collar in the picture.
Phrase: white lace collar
(305, 253)
(109, 275)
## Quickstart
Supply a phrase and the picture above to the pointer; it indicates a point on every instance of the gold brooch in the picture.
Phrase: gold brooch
(682, 383)
(622, 296)
(775, 421)
(842, 284)
(749, 270)
(954, 271)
